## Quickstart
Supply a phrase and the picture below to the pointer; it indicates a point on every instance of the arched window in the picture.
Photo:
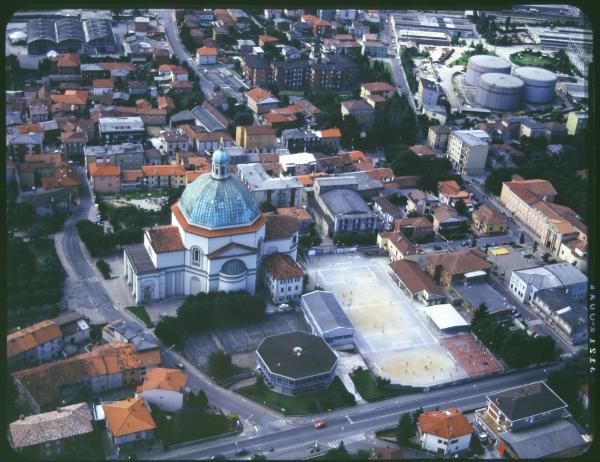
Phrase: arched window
(196, 256)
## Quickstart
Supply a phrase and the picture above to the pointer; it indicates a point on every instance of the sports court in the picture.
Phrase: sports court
(473, 357)
(392, 336)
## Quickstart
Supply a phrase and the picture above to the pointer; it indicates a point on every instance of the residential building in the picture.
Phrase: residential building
(473, 291)
(255, 137)
(283, 278)
(575, 253)
(467, 150)
(446, 432)
(302, 163)
(115, 130)
(525, 283)
(102, 86)
(206, 56)
(327, 319)
(164, 389)
(260, 101)
(416, 228)
(300, 140)
(64, 177)
(20, 145)
(173, 143)
(291, 75)
(374, 49)
(47, 202)
(130, 332)
(164, 176)
(208, 142)
(383, 89)
(334, 73)
(428, 92)
(576, 122)
(387, 212)
(257, 70)
(105, 178)
(487, 221)
(296, 363)
(420, 202)
(300, 214)
(364, 113)
(74, 142)
(105, 367)
(64, 433)
(279, 192)
(447, 220)
(448, 268)
(416, 284)
(532, 128)
(449, 193)
(130, 424)
(68, 64)
(38, 111)
(74, 328)
(127, 156)
(530, 201)
(568, 317)
(397, 245)
(437, 136)
(33, 345)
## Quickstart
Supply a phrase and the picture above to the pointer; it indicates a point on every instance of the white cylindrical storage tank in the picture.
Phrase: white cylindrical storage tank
(539, 84)
(482, 64)
(500, 92)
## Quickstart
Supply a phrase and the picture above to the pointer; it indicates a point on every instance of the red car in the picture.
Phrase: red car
(320, 424)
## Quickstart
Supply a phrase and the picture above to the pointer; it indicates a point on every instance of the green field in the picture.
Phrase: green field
(335, 397)
(533, 58)
(141, 313)
(464, 59)
(367, 387)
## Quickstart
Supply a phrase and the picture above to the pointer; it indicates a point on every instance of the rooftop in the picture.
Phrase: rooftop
(526, 400)
(344, 201)
(445, 316)
(165, 238)
(164, 379)
(128, 417)
(281, 266)
(326, 311)
(31, 337)
(550, 276)
(447, 423)
(415, 279)
(279, 227)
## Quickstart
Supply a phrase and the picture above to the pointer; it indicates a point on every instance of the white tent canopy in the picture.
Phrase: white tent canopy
(445, 316)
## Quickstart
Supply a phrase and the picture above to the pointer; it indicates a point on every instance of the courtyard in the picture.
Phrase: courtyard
(391, 333)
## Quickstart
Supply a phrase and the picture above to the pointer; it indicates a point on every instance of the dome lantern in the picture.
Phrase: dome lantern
(220, 163)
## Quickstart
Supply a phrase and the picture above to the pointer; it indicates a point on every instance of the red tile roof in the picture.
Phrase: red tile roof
(257, 94)
(165, 238)
(104, 170)
(164, 379)
(103, 83)
(282, 266)
(128, 417)
(378, 86)
(163, 170)
(331, 133)
(447, 423)
(68, 60)
(279, 227)
(413, 278)
(31, 337)
(207, 51)
(77, 97)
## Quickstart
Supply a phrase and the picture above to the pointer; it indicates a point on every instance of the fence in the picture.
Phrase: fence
(226, 383)
(331, 250)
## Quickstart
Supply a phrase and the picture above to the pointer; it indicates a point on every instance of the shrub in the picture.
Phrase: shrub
(104, 268)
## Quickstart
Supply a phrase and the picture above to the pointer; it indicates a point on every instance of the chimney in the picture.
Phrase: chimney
(21, 417)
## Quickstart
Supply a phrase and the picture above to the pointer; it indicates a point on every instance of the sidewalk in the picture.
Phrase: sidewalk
(347, 362)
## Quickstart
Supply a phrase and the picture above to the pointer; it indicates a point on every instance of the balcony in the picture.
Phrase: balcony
(489, 423)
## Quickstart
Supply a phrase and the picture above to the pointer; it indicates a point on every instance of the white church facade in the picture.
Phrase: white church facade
(216, 241)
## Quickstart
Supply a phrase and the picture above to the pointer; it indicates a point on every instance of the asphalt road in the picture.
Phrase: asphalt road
(295, 443)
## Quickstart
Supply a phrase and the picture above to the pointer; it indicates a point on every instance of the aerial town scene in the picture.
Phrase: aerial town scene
(285, 234)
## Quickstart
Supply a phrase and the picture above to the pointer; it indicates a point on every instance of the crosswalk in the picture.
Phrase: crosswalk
(275, 424)
(348, 440)
(91, 279)
(535, 322)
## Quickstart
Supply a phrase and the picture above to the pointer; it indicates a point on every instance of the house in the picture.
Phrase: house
(283, 278)
(386, 211)
(530, 201)
(300, 140)
(420, 202)
(105, 367)
(127, 156)
(105, 178)
(256, 70)
(210, 141)
(20, 145)
(73, 142)
(327, 319)
(449, 193)
(301, 163)
(437, 136)
(473, 291)
(164, 389)
(397, 245)
(330, 139)
(374, 49)
(365, 114)
(130, 424)
(102, 86)
(525, 283)
(67, 64)
(64, 433)
(255, 137)
(164, 176)
(568, 317)
(130, 332)
(445, 432)
(279, 192)
(488, 221)
(532, 128)
(467, 150)
(575, 253)
(448, 268)
(415, 228)
(415, 283)
(46, 202)
(260, 101)
(38, 111)
(75, 330)
(376, 93)
(174, 142)
(428, 92)
(34, 345)
(300, 214)
(206, 56)
(64, 177)
(115, 130)
(281, 235)
(576, 122)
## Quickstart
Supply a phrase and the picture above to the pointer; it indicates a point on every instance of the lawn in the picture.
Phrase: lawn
(367, 387)
(335, 397)
(143, 194)
(291, 93)
(388, 434)
(533, 58)
(140, 312)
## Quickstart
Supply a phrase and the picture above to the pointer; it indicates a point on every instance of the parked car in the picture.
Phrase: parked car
(482, 437)
(180, 366)
(437, 247)
(320, 424)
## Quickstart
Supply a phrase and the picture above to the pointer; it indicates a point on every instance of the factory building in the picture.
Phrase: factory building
(499, 92)
(560, 37)
(431, 23)
(483, 64)
(539, 84)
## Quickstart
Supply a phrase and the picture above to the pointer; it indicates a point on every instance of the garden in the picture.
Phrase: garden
(558, 63)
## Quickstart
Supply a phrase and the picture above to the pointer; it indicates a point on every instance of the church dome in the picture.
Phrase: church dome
(218, 200)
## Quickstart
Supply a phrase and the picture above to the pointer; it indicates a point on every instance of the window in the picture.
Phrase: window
(196, 256)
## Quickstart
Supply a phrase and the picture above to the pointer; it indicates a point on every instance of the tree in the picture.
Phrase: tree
(507, 24)
(406, 429)
(535, 246)
(259, 456)
(168, 330)
(546, 257)
(461, 207)
(522, 238)
(23, 216)
(219, 364)
(266, 206)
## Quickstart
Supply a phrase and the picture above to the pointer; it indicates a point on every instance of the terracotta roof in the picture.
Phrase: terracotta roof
(259, 130)
(140, 110)
(277, 118)
(489, 215)
(443, 213)
(460, 261)
(214, 136)
(423, 150)
(399, 240)
(77, 97)
(103, 83)
(31, 337)
(64, 176)
(448, 423)
(308, 180)
(279, 227)
(578, 244)
(531, 191)
(131, 175)
(292, 109)
(181, 84)
(104, 170)
(29, 128)
(257, 94)
(216, 232)
(267, 39)
(165, 238)
(128, 417)
(282, 266)
(163, 170)
(378, 86)
(294, 212)
(207, 51)
(381, 174)
(386, 205)
(165, 102)
(356, 105)
(193, 175)
(64, 422)
(164, 379)
(68, 60)
(331, 133)
(415, 279)
(118, 66)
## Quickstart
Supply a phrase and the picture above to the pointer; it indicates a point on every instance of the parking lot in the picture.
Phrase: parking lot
(391, 333)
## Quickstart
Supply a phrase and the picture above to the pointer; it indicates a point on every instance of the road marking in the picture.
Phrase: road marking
(349, 419)
(535, 322)
(348, 440)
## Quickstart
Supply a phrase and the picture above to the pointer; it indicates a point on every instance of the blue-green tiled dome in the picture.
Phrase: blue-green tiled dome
(220, 157)
(218, 203)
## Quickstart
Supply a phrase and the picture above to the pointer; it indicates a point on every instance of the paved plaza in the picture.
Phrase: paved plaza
(391, 332)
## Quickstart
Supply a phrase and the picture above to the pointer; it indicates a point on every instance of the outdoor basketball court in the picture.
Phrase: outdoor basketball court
(391, 335)
(471, 356)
